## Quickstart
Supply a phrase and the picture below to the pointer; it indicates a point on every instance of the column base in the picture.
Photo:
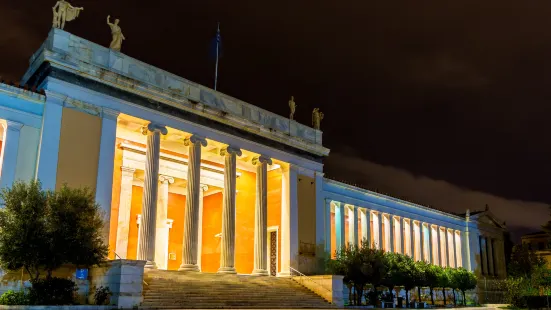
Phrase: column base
(285, 274)
(260, 272)
(189, 267)
(229, 270)
(150, 265)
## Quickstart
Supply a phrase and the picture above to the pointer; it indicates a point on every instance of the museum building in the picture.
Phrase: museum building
(192, 179)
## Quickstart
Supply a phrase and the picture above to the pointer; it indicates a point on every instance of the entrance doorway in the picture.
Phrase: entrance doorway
(272, 250)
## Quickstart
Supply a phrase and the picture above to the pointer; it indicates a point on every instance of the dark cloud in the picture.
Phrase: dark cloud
(456, 91)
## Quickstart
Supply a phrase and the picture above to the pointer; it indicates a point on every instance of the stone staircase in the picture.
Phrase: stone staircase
(177, 290)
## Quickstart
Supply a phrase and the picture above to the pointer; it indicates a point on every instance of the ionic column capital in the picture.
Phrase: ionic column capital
(204, 187)
(230, 150)
(152, 127)
(194, 139)
(262, 160)
(166, 179)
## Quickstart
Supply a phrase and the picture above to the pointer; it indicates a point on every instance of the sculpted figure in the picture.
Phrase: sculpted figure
(292, 106)
(64, 11)
(317, 117)
(116, 32)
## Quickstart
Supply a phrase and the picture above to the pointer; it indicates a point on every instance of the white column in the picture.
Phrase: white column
(412, 237)
(365, 225)
(106, 163)
(404, 237)
(191, 218)
(353, 225)
(433, 259)
(46, 171)
(425, 248)
(125, 204)
(398, 245)
(380, 219)
(204, 188)
(490, 246)
(289, 221)
(339, 225)
(162, 229)
(328, 236)
(390, 233)
(146, 246)
(227, 246)
(261, 216)
(446, 249)
(10, 146)
(439, 248)
(455, 260)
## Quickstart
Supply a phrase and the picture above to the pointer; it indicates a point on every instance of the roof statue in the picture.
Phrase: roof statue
(292, 106)
(317, 117)
(64, 11)
(116, 32)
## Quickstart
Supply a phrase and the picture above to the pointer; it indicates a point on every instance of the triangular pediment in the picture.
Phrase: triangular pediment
(486, 218)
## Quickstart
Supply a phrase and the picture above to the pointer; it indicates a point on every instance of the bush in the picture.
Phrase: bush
(13, 298)
(53, 291)
(101, 297)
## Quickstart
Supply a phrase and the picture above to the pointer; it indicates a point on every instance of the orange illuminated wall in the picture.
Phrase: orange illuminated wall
(115, 199)
(212, 225)
(176, 212)
(137, 194)
(274, 208)
(244, 222)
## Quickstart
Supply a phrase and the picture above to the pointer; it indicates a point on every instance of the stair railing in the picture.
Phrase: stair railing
(303, 276)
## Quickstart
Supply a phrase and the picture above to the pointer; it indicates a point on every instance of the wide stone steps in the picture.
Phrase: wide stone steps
(177, 290)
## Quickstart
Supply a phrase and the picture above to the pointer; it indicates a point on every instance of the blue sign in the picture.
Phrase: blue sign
(82, 274)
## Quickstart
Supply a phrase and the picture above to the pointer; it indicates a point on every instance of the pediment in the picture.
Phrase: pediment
(486, 218)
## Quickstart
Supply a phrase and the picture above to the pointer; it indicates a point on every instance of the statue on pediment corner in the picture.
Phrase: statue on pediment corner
(292, 106)
(317, 117)
(116, 32)
(64, 11)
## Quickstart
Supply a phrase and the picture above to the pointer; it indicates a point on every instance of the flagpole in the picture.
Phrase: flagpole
(216, 68)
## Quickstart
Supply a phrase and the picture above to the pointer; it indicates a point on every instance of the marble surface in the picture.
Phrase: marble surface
(75, 52)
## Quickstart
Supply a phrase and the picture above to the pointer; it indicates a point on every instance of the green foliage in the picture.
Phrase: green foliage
(524, 262)
(23, 238)
(102, 295)
(53, 291)
(42, 230)
(514, 291)
(464, 280)
(13, 298)
(432, 275)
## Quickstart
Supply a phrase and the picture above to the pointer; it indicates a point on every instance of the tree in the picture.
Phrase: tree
(410, 271)
(420, 279)
(453, 284)
(395, 274)
(444, 281)
(432, 276)
(23, 238)
(524, 262)
(43, 230)
(465, 280)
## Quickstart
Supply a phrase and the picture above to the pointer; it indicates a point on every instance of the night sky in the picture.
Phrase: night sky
(446, 103)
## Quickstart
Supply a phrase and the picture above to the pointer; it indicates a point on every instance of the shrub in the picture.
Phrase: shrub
(53, 291)
(101, 297)
(13, 298)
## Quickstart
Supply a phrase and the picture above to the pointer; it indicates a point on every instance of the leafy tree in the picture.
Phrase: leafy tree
(42, 230)
(524, 262)
(23, 238)
(432, 276)
(453, 283)
(395, 274)
(444, 281)
(410, 271)
(464, 280)
(420, 279)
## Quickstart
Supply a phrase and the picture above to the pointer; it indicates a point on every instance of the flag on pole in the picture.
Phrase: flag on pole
(217, 53)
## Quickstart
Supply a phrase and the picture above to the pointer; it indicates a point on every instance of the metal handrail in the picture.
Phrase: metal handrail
(307, 277)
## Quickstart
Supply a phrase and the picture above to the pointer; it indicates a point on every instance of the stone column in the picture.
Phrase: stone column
(483, 255)
(204, 188)
(455, 260)
(366, 225)
(146, 247)
(422, 244)
(328, 236)
(404, 235)
(10, 147)
(227, 248)
(125, 204)
(391, 233)
(340, 225)
(490, 245)
(261, 216)
(48, 152)
(446, 249)
(438, 248)
(162, 229)
(191, 219)
(106, 165)
(353, 225)
(380, 223)
(412, 237)
(431, 243)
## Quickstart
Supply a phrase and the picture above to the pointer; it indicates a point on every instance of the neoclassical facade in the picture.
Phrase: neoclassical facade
(191, 179)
